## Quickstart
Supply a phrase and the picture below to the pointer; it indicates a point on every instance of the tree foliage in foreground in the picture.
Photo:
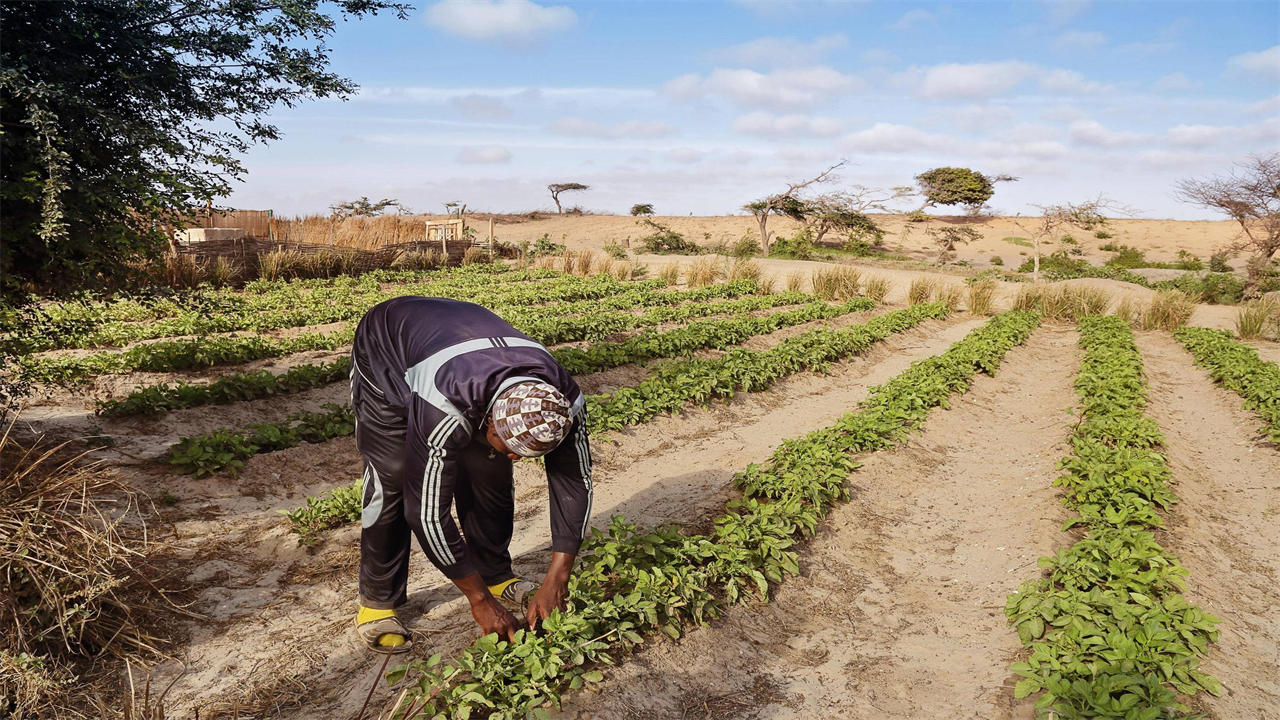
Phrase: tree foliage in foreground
(121, 117)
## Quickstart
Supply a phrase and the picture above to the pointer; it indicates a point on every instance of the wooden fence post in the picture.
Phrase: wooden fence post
(490, 237)
(426, 235)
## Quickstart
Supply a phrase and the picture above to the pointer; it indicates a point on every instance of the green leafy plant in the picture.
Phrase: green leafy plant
(1238, 368)
(1110, 634)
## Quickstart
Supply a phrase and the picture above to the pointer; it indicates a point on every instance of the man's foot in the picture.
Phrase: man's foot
(514, 591)
(382, 630)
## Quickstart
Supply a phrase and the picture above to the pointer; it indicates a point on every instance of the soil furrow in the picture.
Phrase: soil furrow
(1226, 529)
(899, 610)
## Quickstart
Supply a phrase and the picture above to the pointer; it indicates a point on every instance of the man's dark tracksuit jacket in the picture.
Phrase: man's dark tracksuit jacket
(424, 373)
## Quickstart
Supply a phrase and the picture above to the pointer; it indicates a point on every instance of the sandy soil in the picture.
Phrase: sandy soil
(899, 610)
(252, 580)
(1160, 239)
(1226, 529)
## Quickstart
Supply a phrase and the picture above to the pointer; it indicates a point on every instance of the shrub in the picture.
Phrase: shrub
(746, 246)
(1187, 261)
(997, 261)
(1103, 235)
(641, 209)
(615, 251)
(799, 247)
(877, 287)
(981, 296)
(1218, 262)
(1020, 241)
(917, 217)
(1127, 257)
(1212, 288)
(665, 241)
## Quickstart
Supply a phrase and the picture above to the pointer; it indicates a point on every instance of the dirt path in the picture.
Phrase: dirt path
(900, 610)
(672, 469)
(1226, 530)
(1267, 349)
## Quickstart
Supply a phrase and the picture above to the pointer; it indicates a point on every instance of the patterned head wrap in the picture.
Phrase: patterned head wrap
(531, 418)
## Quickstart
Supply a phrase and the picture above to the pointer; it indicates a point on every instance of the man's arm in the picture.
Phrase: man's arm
(570, 489)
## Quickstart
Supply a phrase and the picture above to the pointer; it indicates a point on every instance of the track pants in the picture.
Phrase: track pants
(483, 500)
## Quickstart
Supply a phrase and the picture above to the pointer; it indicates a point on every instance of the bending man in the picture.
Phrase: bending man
(446, 395)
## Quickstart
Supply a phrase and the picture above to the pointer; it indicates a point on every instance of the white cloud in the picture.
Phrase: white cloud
(486, 155)
(951, 81)
(1064, 11)
(628, 129)
(480, 106)
(1069, 82)
(1174, 82)
(685, 155)
(878, 56)
(1194, 136)
(1270, 106)
(914, 18)
(519, 20)
(780, 51)
(973, 118)
(1080, 40)
(1166, 39)
(889, 138)
(793, 88)
(1262, 65)
(1202, 136)
(794, 125)
(1091, 132)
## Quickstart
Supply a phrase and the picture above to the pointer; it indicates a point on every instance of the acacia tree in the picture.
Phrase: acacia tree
(120, 118)
(958, 186)
(366, 208)
(847, 210)
(1088, 216)
(787, 203)
(1250, 195)
(642, 209)
(557, 188)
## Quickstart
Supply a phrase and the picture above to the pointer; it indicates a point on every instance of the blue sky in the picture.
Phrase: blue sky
(699, 107)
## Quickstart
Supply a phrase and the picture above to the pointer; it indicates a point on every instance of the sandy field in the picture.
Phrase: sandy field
(1159, 239)
(898, 612)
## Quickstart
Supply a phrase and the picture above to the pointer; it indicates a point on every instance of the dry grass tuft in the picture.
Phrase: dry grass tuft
(767, 283)
(837, 283)
(877, 287)
(476, 256)
(1168, 310)
(921, 290)
(1063, 303)
(70, 564)
(1129, 309)
(419, 260)
(582, 261)
(744, 269)
(951, 294)
(704, 271)
(280, 264)
(795, 282)
(982, 296)
(670, 274)
(1255, 317)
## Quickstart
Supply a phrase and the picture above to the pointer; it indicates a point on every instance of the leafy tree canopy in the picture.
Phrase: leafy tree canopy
(364, 207)
(121, 117)
(958, 186)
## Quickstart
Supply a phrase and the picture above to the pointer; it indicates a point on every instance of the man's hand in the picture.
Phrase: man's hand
(492, 617)
(553, 593)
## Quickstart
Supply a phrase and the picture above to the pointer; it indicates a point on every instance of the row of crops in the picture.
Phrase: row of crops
(1107, 629)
